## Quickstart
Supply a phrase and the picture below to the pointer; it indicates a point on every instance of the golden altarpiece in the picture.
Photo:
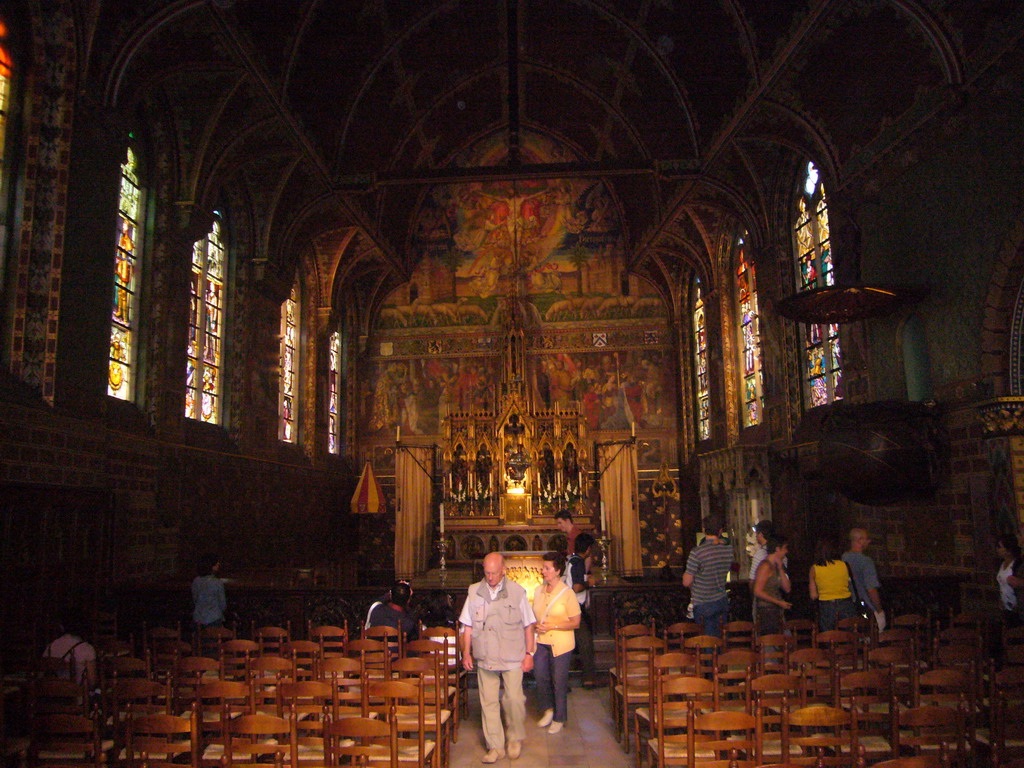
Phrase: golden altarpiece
(508, 468)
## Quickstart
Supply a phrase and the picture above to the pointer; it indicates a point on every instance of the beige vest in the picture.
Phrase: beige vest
(499, 642)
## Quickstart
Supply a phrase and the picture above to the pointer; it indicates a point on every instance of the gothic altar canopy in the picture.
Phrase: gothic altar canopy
(513, 462)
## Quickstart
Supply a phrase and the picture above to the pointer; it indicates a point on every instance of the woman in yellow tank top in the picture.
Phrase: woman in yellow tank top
(829, 584)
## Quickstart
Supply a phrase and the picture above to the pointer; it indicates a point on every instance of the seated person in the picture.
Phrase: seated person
(79, 655)
(395, 613)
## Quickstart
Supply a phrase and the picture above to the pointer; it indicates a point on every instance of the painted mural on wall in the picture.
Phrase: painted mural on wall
(415, 393)
(613, 388)
(556, 241)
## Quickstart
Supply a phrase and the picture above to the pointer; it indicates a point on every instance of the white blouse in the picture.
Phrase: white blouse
(1006, 593)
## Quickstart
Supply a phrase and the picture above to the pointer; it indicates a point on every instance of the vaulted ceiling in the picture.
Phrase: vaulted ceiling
(335, 116)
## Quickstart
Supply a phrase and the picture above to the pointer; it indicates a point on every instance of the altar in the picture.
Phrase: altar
(509, 465)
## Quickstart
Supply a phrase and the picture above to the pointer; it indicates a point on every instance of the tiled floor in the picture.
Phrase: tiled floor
(587, 741)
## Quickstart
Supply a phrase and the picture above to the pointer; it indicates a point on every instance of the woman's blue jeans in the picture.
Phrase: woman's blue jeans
(552, 676)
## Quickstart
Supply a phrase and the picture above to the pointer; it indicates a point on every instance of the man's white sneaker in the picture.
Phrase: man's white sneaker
(515, 748)
(555, 728)
(546, 718)
(492, 756)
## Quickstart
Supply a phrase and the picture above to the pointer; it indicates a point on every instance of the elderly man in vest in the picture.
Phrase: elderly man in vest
(498, 641)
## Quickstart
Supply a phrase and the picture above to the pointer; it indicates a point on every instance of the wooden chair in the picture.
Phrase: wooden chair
(724, 738)
(673, 713)
(817, 675)
(308, 705)
(456, 672)
(825, 736)
(305, 657)
(345, 676)
(271, 639)
(266, 674)
(235, 656)
(633, 688)
(360, 741)
(332, 639)
(217, 703)
(868, 695)
(437, 714)
(258, 740)
(773, 695)
(1005, 740)
(373, 656)
(208, 641)
(676, 634)
(164, 647)
(403, 705)
(441, 679)
(67, 741)
(803, 632)
(390, 635)
(623, 633)
(705, 649)
(50, 696)
(900, 664)
(920, 625)
(189, 674)
(666, 666)
(927, 728)
(734, 670)
(843, 648)
(774, 653)
(162, 741)
(137, 698)
(738, 634)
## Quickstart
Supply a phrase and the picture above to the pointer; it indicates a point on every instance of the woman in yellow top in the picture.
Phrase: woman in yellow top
(558, 614)
(829, 584)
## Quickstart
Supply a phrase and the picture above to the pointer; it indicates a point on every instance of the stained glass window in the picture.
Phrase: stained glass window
(333, 397)
(205, 328)
(823, 360)
(750, 338)
(700, 353)
(6, 73)
(124, 321)
(289, 364)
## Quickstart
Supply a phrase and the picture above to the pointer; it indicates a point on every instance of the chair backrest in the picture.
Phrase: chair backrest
(772, 694)
(869, 696)
(391, 635)
(738, 634)
(65, 740)
(271, 638)
(734, 670)
(774, 650)
(403, 706)
(345, 675)
(158, 740)
(217, 702)
(255, 739)
(676, 633)
(730, 736)
(823, 733)
(374, 657)
(235, 656)
(929, 727)
(359, 740)
(332, 639)
(706, 650)
(803, 632)
(815, 669)
(51, 696)
(209, 639)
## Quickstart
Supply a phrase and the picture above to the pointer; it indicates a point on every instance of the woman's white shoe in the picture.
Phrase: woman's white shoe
(546, 718)
(555, 728)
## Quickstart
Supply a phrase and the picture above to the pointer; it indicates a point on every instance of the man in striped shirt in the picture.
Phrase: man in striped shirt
(706, 569)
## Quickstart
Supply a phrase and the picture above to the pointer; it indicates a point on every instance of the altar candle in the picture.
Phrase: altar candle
(604, 521)
(442, 519)
(398, 433)
(632, 429)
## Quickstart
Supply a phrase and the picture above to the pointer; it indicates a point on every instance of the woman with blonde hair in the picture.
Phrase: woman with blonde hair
(558, 616)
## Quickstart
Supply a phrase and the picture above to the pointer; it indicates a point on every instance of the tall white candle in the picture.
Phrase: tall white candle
(442, 519)
(604, 521)
(632, 429)
(398, 433)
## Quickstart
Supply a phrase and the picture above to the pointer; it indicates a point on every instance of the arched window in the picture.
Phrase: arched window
(700, 355)
(333, 393)
(823, 369)
(289, 364)
(206, 327)
(124, 321)
(750, 337)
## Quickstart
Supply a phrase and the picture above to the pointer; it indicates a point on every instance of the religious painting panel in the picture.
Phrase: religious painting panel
(614, 389)
(413, 395)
